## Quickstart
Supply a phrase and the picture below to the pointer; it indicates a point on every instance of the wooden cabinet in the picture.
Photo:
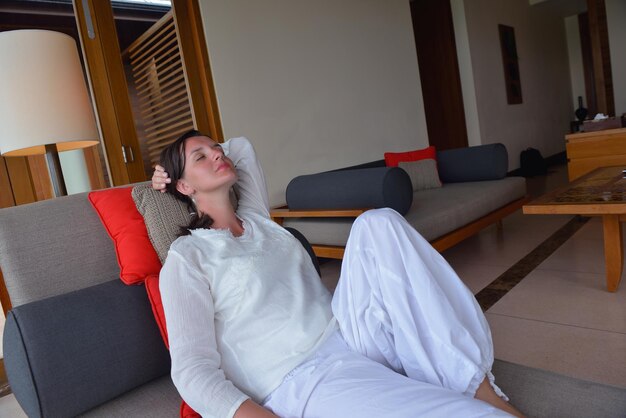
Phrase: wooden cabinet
(587, 151)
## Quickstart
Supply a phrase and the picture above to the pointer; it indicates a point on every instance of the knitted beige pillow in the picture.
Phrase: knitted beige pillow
(423, 173)
(163, 215)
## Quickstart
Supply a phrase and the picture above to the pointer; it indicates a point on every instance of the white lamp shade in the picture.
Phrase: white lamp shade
(43, 96)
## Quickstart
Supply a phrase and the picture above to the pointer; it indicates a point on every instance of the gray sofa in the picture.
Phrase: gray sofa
(79, 342)
(476, 192)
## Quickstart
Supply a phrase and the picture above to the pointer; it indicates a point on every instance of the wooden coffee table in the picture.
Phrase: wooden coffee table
(599, 193)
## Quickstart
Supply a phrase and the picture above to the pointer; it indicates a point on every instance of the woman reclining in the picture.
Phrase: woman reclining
(254, 333)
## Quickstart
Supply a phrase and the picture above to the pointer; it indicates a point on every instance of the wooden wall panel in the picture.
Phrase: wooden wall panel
(6, 192)
(21, 181)
(599, 37)
(94, 168)
(42, 186)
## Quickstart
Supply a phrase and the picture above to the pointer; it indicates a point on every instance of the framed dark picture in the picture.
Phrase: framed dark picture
(510, 64)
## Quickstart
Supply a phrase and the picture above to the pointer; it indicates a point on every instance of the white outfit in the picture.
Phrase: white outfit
(402, 311)
(241, 311)
(248, 316)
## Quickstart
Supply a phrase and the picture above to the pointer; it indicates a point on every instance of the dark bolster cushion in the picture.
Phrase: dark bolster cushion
(69, 353)
(478, 163)
(351, 189)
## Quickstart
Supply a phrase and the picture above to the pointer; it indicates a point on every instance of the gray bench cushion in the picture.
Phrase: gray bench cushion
(69, 353)
(53, 247)
(157, 399)
(435, 212)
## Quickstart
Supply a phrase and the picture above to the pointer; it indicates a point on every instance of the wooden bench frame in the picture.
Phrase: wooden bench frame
(441, 243)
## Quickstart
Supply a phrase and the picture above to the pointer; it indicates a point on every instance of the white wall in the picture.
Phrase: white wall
(616, 22)
(75, 172)
(542, 120)
(576, 68)
(315, 85)
(466, 73)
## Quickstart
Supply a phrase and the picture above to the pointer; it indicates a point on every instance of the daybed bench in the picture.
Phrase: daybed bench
(476, 193)
(80, 342)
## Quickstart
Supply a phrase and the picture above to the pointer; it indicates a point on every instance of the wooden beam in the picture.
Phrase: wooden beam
(110, 91)
(21, 181)
(5, 300)
(598, 33)
(6, 192)
(42, 185)
(94, 168)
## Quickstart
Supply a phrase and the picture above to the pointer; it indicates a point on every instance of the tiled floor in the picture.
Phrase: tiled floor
(559, 317)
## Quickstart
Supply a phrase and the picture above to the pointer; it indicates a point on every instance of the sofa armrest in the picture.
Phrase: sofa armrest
(478, 163)
(348, 189)
(69, 353)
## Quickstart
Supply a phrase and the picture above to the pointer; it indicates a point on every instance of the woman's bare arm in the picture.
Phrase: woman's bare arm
(250, 409)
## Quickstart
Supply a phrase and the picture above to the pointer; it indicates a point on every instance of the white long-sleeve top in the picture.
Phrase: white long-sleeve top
(241, 311)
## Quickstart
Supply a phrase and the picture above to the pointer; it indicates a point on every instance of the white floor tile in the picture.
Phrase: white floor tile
(477, 276)
(566, 298)
(583, 353)
(577, 255)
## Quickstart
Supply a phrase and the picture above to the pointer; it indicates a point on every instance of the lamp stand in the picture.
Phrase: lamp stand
(54, 167)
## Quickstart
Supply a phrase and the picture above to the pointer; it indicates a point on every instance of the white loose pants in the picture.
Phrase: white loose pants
(413, 343)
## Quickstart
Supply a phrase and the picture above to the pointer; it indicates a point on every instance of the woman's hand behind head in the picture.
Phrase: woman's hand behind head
(160, 178)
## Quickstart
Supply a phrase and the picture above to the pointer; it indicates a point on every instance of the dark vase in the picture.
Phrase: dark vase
(581, 112)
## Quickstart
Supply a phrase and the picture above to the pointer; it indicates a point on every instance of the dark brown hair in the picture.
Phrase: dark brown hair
(173, 161)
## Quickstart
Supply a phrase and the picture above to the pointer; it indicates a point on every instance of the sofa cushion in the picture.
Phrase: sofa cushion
(156, 399)
(423, 173)
(118, 213)
(351, 189)
(163, 214)
(52, 247)
(392, 159)
(478, 163)
(435, 212)
(69, 353)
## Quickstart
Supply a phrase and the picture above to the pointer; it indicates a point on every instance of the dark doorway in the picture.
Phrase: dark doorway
(439, 73)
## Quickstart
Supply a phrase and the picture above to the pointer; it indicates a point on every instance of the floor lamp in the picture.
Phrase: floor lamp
(44, 103)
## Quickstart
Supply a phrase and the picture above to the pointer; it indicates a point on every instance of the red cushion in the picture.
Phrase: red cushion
(154, 295)
(393, 158)
(187, 412)
(135, 253)
(152, 287)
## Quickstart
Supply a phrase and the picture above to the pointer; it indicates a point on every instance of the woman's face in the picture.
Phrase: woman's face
(206, 167)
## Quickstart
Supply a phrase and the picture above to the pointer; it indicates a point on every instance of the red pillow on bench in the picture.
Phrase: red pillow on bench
(393, 158)
(124, 224)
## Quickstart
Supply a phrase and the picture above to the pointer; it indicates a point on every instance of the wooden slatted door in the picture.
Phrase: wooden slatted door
(171, 81)
(164, 108)
(170, 78)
